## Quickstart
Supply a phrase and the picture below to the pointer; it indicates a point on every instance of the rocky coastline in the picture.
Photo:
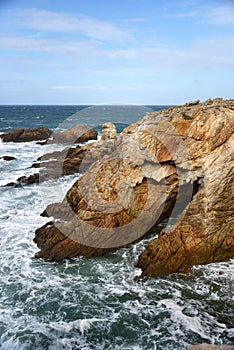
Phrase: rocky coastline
(175, 165)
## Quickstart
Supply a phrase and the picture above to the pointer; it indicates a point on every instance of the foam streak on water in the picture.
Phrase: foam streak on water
(96, 303)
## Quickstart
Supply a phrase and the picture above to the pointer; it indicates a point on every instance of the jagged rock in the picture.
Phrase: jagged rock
(24, 180)
(205, 346)
(26, 135)
(8, 158)
(55, 164)
(69, 161)
(173, 160)
(108, 131)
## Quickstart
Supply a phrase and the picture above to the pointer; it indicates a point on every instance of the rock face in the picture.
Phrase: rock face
(205, 233)
(26, 135)
(173, 162)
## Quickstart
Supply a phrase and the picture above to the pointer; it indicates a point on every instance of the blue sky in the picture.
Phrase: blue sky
(115, 51)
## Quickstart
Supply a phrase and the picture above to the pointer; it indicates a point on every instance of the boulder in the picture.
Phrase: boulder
(26, 135)
(108, 131)
(174, 164)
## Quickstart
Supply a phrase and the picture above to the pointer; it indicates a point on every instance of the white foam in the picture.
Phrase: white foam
(190, 323)
(38, 297)
(81, 324)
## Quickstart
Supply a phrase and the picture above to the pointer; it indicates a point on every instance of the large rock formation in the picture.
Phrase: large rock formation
(205, 233)
(173, 162)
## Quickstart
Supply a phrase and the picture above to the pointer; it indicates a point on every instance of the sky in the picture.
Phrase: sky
(147, 52)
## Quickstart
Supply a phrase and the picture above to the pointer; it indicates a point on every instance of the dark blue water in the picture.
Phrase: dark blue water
(96, 303)
(12, 117)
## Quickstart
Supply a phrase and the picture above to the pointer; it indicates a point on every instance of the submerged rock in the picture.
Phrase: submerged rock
(173, 162)
(26, 135)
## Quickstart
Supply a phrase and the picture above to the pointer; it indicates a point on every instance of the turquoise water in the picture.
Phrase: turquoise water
(95, 303)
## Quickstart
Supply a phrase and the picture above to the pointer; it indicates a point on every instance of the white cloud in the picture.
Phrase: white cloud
(43, 20)
(216, 53)
(219, 15)
(59, 46)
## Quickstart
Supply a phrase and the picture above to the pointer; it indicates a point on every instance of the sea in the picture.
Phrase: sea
(93, 303)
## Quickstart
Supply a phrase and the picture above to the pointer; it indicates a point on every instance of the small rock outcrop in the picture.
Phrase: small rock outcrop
(77, 134)
(176, 164)
(26, 135)
(108, 131)
(69, 161)
(54, 165)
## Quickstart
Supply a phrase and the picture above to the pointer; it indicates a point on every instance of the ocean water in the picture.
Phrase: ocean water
(95, 303)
